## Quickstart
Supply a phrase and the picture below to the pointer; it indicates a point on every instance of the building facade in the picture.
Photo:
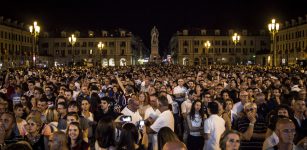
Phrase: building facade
(120, 48)
(291, 41)
(188, 47)
(16, 44)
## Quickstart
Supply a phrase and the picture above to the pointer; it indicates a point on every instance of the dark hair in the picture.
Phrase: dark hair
(105, 98)
(40, 90)
(80, 136)
(224, 138)
(63, 104)
(213, 107)
(22, 145)
(165, 135)
(129, 137)
(73, 114)
(74, 103)
(18, 106)
(163, 100)
(201, 111)
(105, 132)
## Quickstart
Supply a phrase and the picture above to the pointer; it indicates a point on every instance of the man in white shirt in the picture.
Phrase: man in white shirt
(214, 127)
(165, 119)
(238, 107)
(132, 110)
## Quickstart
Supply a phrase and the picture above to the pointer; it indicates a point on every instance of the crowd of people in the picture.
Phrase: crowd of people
(154, 107)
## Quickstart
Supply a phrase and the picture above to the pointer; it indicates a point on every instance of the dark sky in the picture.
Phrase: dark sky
(140, 16)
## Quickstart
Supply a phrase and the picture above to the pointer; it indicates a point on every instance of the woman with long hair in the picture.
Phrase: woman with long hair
(75, 137)
(165, 135)
(195, 120)
(143, 99)
(105, 138)
(129, 138)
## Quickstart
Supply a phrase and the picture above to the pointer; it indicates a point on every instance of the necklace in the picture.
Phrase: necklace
(33, 139)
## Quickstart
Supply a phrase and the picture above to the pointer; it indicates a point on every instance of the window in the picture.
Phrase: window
(90, 44)
(251, 42)
(244, 42)
(63, 44)
(196, 43)
(238, 50)
(195, 50)
(77, 52)
(63, 53)
(122, 44)
(69, 52)
(111, 44)
(123, 52)
(83, 52)
(185, 43)
(77, 44)
(210, 50)
(186, 50)
(57, 52)
(216, 42)
(224, 42)
(57, 44)
(84, 44)
(45, 45)
(224, 50)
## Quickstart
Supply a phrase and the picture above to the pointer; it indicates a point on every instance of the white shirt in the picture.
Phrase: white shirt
(186, 106)
(169, 99)
(150, 112)
(237, 108)
(165, 119)
(178, 90)
(135, 115)
(214, 125)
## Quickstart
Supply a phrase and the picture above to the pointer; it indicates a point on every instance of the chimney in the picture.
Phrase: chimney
(287, 24)
(185, 32)
(203, 31)
(300, 20)
(104, 33)
(293, 22)
(217, 32)
(244, 32)
(230, 32)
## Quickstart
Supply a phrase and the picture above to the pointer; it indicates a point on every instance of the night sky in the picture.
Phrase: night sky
(140, 16)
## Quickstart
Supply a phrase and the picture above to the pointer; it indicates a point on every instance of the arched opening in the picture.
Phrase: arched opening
(111, 62)
(122, 62)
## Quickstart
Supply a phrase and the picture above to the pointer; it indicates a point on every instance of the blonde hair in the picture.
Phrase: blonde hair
(51, 115)
(35, 118)
(61, 138)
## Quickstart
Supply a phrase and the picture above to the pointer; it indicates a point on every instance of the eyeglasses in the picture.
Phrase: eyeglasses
(250, 109)
(31, 124)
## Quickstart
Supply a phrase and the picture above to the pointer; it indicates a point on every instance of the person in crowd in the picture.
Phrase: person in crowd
(238, 107)
(62, 112)
(214, 126)
(34, 136)
(58, 141)
(49, 94)
(144, 100)
(25, 102)
(105, 110)
(84, 94)
(165, 135)
(165, 119)
(31, 86)
(129, 138)
(132, 109)
(22, 145)
(299, 111)
(195, 120)
(252, 126)
(68, 95)
(8, 128)
(105, 134)
(175, 145)
(85, 110)
(75, 138)
(230, 140)
(18, 111)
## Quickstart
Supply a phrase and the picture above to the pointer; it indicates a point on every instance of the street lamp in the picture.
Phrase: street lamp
(34, 30)
(72, 40)
(100, 47)
(235, 39)
(207, 46)
(273, 28)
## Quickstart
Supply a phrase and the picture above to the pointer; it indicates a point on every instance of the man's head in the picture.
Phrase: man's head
(180, 82)
(18, 110)
(72, 117)
(250, 108)
(213, 108)
(68, 94)
(300, 106)
(105, 103)
(285, 130)
(62, 108)
(42, 105)
(153, 100)
(73, 106)
(134, 103)
(162, 103)
(38, 93)
(7, 121)
(244, 97)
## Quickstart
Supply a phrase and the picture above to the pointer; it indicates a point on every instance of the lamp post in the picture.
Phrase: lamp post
(34, 30)
(72, 40)
(273, 28)
(207, 46)
(235, 39)
(100, 47)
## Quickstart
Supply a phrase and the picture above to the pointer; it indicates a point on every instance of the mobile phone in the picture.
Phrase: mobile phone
(142, 123)
(126, 118)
